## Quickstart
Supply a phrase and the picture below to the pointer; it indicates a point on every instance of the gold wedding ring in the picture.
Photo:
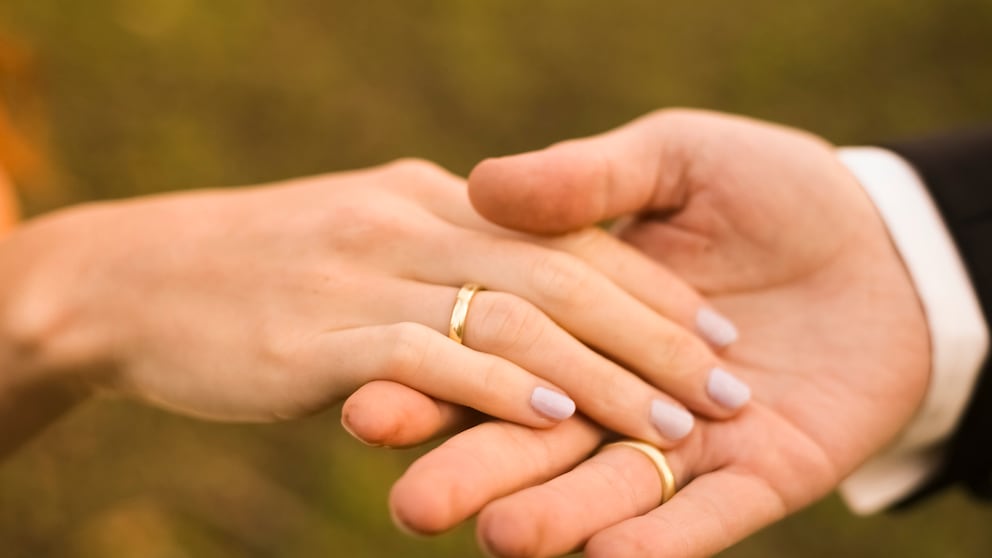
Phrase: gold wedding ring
(456, 327)
(659, 461)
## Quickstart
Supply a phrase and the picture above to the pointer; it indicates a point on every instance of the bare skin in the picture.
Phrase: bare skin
(269, 303)
(766, 223)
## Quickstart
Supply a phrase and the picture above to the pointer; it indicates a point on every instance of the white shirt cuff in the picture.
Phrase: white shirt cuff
(959, 335)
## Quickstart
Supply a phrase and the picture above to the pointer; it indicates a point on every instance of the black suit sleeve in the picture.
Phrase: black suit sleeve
(957, 170)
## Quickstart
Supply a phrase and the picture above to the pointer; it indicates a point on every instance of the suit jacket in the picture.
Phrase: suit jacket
(957, 171)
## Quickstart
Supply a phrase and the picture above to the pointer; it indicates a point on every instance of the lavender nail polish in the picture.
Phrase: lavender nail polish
(673, 422)
(715, 327)
(727, 390)
(552, 404)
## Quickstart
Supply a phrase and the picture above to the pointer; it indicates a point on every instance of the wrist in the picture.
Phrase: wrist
(45, 360)
(46, 340)
(956, 331)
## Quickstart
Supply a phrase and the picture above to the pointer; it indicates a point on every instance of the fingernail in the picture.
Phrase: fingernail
(347, 428)
(402, 526)
(673, 423)
(552, 404)
(727, 390)
(716, 328)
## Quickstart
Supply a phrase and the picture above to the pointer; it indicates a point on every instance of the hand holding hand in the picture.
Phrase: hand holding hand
(766, 223)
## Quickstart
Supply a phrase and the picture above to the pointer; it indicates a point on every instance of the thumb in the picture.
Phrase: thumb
(637, 167)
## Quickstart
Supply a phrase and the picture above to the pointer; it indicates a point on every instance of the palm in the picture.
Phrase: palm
(834, 341)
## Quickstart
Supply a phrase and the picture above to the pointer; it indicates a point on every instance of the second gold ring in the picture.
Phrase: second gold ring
(459, 313)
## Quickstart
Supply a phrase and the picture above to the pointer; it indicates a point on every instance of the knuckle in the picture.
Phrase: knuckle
(286, 377)
(613, 393)
(561, 278)
(276, 347)
(367, 220)
(415, 168)
(492, 376)
(616, 475)
(508, 321)
(613, 389)
(415, 165)
(667, 350)
(675, 115)
(682, 355)
(293, 407)
(407, 346)
(417, 180)
(584, 241)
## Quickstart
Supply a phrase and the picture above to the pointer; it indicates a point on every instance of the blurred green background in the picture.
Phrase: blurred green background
(143, 96)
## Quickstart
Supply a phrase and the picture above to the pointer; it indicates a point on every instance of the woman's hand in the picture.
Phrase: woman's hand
(274, 302)
(768, 223)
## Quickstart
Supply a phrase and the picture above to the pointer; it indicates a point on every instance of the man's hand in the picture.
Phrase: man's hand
(768, 224)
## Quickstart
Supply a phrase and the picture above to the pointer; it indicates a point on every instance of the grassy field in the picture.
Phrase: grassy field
(154, 95)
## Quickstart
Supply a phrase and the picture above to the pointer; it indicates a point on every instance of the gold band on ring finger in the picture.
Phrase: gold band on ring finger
(657, 459)
(459, 313)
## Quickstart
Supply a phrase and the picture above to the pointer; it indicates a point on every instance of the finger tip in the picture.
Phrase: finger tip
(403, 526)
(368, 428)
(500, 532)
(416, 509)
(533, 191)
(491, 188)
(383, 414)
(618, 542)
(356, 433)
(434, 494)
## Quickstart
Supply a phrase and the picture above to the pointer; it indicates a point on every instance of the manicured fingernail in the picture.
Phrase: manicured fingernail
(716, 328)
(727, 390)
(673, 423)
(552, 404)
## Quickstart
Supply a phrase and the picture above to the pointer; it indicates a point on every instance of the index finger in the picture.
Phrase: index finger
(454, 481)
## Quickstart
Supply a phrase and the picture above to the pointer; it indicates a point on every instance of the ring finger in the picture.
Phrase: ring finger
(512, 329)
(594, 309)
